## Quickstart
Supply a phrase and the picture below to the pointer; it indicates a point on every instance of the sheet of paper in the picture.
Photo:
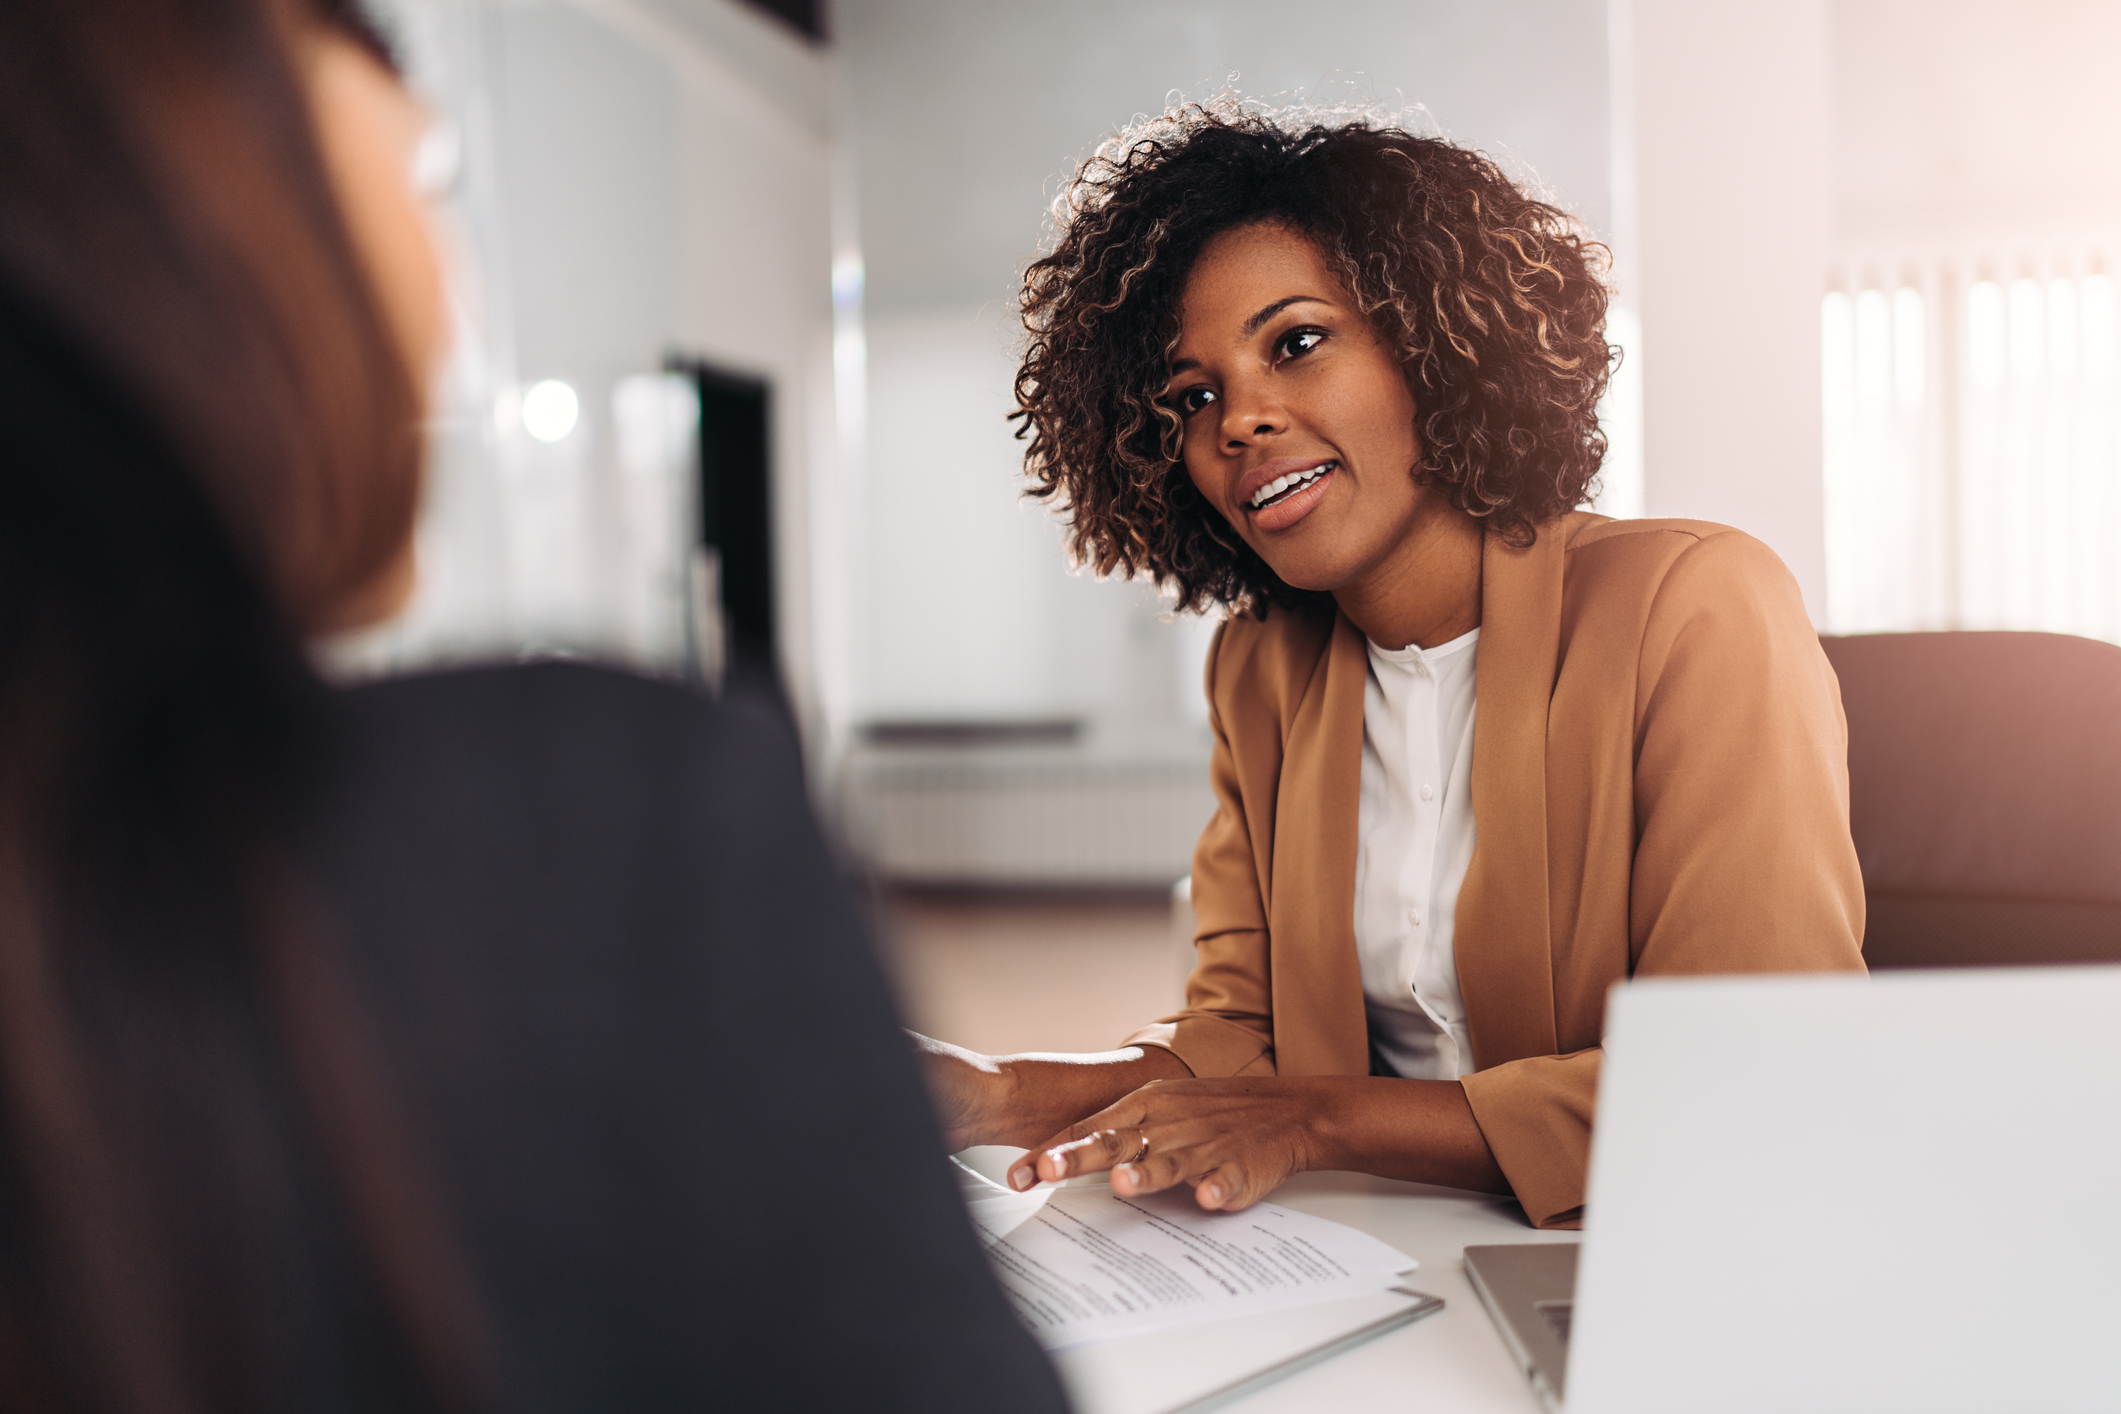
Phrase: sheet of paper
(1173, 1370)
(1083, 1264)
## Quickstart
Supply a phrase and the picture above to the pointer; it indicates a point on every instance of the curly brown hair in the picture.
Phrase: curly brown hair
(1495, 302)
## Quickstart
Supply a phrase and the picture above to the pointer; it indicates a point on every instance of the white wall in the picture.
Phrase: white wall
(641, 177)
(964, 117)
(936, 382)
(1722, 214)
(969, 111)
(1954, 116)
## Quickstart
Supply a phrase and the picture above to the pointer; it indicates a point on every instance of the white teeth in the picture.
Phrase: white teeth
(1280, 484)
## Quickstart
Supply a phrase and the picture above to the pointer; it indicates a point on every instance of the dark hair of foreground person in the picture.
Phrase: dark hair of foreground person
(395, 1048)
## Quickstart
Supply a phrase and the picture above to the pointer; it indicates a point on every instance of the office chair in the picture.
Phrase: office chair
(1985, 795)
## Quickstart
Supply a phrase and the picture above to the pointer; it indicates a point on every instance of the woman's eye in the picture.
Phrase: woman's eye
(1193, 400)
(1298, 342)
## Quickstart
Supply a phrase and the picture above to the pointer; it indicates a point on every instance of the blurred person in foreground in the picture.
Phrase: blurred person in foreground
(415, 1047)
(1479, 754)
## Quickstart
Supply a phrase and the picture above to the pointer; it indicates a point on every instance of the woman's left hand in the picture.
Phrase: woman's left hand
(1234, 1140)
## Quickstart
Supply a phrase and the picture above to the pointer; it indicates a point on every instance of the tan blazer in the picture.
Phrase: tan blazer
(1660, 786)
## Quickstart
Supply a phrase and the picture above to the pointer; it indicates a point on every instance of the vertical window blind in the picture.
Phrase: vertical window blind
(1972, 404)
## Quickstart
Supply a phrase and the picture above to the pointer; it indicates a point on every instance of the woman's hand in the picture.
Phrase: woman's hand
(1235, 1141)
(1238, 1140)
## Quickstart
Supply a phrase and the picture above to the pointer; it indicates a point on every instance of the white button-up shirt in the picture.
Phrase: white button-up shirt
(1414, 841)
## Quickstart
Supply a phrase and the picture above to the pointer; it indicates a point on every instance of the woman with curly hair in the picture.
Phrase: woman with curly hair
(1479, 754)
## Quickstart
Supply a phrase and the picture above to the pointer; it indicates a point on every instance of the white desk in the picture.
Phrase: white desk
(1450, 1363)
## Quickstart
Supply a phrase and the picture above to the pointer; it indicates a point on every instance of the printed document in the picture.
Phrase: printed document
(1083, 1264)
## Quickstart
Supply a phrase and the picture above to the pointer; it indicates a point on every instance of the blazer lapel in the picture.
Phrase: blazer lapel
(1504, 953)
(1320, 1027)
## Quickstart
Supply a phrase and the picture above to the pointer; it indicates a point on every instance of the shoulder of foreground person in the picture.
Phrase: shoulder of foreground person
(641, 1033)
(552, 718)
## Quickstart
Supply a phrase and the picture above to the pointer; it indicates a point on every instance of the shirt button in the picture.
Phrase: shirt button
(1414, 916)
(1428, 792)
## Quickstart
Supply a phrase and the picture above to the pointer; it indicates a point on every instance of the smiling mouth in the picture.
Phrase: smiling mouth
(1283, 487)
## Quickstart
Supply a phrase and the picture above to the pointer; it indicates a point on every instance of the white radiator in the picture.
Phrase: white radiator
(1024, 816)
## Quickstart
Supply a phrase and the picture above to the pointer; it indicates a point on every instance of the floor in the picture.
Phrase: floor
(1000, 972)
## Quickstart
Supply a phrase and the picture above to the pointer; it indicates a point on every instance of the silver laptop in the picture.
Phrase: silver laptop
(1529, 1289)
(1839, 1194)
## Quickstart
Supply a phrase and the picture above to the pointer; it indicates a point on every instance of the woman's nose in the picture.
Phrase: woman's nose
(1250, 414)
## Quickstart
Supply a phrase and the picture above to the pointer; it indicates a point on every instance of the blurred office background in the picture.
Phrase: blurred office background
(735, 287)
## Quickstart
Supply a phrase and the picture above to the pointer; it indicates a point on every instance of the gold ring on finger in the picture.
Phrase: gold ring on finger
(1143, 1153)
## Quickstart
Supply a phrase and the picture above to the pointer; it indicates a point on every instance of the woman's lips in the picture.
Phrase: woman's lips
(1293, 505)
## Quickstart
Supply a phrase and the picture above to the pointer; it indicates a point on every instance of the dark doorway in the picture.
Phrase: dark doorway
(807, 17)
(736, 517)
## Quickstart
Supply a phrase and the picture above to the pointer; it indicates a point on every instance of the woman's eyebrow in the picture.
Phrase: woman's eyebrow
(1252, 324)
(1187, 365)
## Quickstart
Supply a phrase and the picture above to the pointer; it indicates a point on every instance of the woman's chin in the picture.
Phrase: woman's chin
(1311, 579)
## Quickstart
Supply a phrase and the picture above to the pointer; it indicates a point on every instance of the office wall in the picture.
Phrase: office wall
(1722, 211)
(1955, 116)
(639, 177)
(963, 116)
